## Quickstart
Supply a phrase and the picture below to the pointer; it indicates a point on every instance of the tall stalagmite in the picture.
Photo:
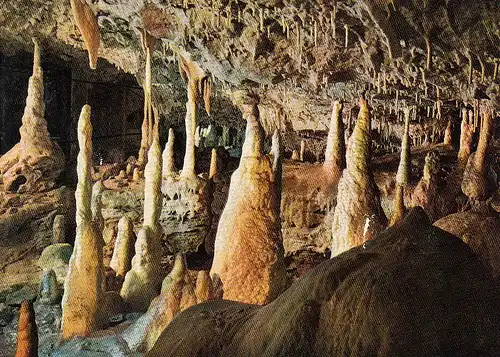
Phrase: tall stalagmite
(475, 184)
(358, 215)
(124, 247)
(213, 164)
(466, 132)
(83, 297)
(248, 257)
(168, 155)
(27, 332)
(142, 283)
(35, 162)
(403, 174)
(335, 144)
(87, 24)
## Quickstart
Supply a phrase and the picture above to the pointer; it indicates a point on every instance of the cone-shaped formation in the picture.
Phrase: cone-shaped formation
(49, 288)
(168, 155)
(335, 144)
(277, 164)
(87, 24)
(358, 215)
(143, 281)
(177, 294)
(33, 164)
(248, 257)
(447, 134)
(403, 174)
(204, 287)
(425, 192)
(466, 132)
(213, 164)
(96, 205)
(189, 156)
(475, 183)
(27, 332)
(83, 296)
(124, 247)
(295, 156)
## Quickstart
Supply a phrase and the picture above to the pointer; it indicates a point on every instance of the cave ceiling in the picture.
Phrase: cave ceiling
(296, 55)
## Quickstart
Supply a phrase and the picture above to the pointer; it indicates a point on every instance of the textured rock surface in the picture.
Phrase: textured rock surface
(27, 334)
(381, 299)
(248, 256)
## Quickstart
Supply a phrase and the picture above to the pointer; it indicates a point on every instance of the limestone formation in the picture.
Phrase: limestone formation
(35, 162)
(168, 155)
(136, 175)
(358, 215)
(447, 134)
(295, 156)
(335, 144)
(248, 256)
(425, 193)
(466, 132)
(59, 229)
(96, 205)
(476, 184)
(123, 251)
(302, 150)
(204, 287)
(49, 288)
(177, 294)
(27, 332)
(87, 24)
(380, 299)
(152, 187)
(403, 174)
(213, 164)
(83, 297)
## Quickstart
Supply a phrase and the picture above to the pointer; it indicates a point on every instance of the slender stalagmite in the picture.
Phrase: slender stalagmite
(87, 24)
(466, 132)
(168, 155)
(447, 134)
(142, 283)
(302, 150)
(248, 257)
(403, 174)
(277, 164)
(27, 332)
(213, 164)
(83, 297)
(475, 183)
(124, 247)
(335, 145)
(358, 215)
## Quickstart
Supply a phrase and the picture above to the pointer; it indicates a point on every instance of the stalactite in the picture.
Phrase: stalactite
(87, 24)
(346, 40)
(429, 56)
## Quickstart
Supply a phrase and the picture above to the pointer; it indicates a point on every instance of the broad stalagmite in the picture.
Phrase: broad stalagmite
(358, 215)
(248, 256)
(83, 297)
(124, 247)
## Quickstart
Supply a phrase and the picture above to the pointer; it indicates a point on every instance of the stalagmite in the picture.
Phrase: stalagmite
(27, 332)
(142, 282)
(87, 24)
(475, 184)
(59, 229)
(447, 134)
(204, 287)
(466, 132)
(248, 257)
(302, 150)
(49, 292)
(403, 174)
(124, 247)
(335, 145)
(136, 175)
(358, 215)
(96, 205)
(177, 294)
(295, 156)
(83, 297)
(425, 192)
(213, 164)
(35, 162)
(168, 155)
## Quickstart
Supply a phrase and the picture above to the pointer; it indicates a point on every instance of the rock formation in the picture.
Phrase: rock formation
(447, 134)
(177, 294)
(123, 251)
(59, 229)
(425, 193)
(142, 283)
(96, 205)
(204, 287)
(27, 333)
(466, 132)
(168, 155)
(403, 173)
(87, 24)
(83, 297)
(359, 304)
(248, 256)
(49, 288)
(475, 184)
(35, 163)
(213, 164)
(358, 215)
(335, 144)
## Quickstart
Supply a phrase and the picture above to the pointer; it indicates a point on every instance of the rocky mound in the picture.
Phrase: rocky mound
(404, 293)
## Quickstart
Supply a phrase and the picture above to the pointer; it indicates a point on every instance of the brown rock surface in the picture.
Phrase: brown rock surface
(27, 333)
